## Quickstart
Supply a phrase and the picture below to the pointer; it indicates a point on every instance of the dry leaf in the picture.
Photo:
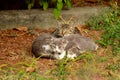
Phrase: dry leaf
(22, 28)
(30, 69)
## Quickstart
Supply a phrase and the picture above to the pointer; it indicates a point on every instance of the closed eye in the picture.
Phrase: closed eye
(59, 53)
(53, 52)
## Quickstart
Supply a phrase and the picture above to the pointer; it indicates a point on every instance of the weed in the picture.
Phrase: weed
(88, 56)
(109, 22)
(26, 70)
(61, 70)
(88, 70)
(19, 74)
(115, 64)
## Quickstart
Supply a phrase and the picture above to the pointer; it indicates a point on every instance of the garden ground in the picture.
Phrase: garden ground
(18, 63)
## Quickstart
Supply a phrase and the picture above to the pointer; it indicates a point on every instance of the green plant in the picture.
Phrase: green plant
(89, 69)
(59, 6)
(45, 4)
(62, 69)
(114, 66)
(12, 73)
(88, 56)
(30, 3)
(109, 23)
(22, 71)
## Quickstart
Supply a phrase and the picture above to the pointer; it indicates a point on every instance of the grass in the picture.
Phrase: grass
(104, 64)
(21, 71)
(86, 67)
(109, 24)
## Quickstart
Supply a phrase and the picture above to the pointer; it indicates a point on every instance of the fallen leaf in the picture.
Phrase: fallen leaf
(22, 28)
(30, 69)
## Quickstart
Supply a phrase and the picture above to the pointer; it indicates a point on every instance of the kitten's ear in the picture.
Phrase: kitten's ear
(77, 31)
(71, 18)
(63, 20)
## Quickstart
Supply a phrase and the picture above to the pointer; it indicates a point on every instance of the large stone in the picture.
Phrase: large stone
(45, 19)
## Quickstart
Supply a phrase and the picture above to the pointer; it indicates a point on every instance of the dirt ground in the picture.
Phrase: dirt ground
(14, 43)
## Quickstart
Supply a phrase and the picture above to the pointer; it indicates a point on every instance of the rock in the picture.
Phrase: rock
(36, 18)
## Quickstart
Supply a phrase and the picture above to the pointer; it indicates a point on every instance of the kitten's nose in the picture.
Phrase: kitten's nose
(59, 35)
